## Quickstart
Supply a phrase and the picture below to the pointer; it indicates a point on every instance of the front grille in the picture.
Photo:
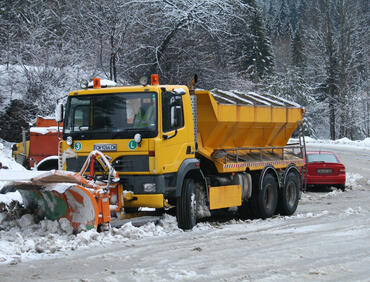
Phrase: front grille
(75, 164)
(124, 163)
(131, 163)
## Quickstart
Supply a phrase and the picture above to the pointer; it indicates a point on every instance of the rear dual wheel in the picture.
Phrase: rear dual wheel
(289, 194)
(246, 211)
(264, 200)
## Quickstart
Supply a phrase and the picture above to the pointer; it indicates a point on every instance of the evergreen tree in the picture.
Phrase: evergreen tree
(258, 59)
(302, 12)
(283, 28)
(17, 116)
(270, 19)
(298, 57)
(293, 14)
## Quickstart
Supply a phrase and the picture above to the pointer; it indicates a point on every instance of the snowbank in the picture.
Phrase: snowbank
(341, 143)
(6, 160)
(23, 239)
(6, 156)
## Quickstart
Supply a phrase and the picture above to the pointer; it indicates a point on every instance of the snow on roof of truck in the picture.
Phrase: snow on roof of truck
(236, 97)
(104, 83)
(45, 130)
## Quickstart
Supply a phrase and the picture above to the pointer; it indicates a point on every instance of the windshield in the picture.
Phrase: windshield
(119, 115)
(327, 158)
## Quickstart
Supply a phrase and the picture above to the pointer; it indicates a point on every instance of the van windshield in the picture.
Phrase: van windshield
(106, 116)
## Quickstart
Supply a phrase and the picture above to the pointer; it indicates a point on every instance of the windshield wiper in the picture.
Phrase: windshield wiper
(131, 129)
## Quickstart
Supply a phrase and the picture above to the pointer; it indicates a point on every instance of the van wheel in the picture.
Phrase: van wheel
(186, 206)
(289, 195)
(265, 199)
(342, 187)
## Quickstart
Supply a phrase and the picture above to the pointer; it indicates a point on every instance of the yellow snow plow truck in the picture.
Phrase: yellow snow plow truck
(170, 146)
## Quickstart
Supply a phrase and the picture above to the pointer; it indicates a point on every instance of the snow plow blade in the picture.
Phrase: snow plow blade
(60, 194)
(75, 204)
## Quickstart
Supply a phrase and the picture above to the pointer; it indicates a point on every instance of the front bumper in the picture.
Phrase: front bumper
(144, 200)
(326, 180)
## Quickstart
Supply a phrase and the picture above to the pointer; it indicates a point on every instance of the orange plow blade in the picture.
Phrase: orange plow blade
(60, 194)
(57, 194)
(76, 204)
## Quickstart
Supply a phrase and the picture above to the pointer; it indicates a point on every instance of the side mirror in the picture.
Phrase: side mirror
(179, 91)
(176, 116)
(59, 110)
(173, 116)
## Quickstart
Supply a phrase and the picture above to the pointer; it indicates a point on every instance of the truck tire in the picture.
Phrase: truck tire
(186, 205)
(264, 200)
(246, 210)
(289, 195)
(131, 210)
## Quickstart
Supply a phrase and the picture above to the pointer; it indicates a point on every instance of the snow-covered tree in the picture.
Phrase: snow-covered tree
(336, 42)
(17, 115)
(317, 48)
(258, 60)
(283, 26)
(297, 45)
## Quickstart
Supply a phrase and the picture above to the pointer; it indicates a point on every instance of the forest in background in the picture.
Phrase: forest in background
(314, 52)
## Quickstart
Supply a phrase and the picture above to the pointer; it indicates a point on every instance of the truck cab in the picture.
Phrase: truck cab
(146, 131)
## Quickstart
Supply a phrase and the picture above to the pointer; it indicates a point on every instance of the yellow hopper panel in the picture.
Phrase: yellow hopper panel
(232, 119)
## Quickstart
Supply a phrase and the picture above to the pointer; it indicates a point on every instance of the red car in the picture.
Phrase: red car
(325, 169)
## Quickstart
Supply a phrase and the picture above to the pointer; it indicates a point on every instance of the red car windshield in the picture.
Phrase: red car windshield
(322, 157)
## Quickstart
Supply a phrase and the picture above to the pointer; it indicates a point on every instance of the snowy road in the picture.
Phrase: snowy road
(327, 239)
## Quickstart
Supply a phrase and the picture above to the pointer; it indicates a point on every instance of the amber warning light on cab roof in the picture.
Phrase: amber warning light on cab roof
(154, 80)
(96, 82)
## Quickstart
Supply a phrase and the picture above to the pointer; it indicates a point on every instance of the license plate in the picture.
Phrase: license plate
(105, 147)
(324, 171)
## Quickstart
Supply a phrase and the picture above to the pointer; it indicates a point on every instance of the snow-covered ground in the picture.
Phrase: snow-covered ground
(328, 238)
(339, 144)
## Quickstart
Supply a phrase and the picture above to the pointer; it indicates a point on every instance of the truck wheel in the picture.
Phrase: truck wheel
(186, 206)
(131, 210)
(289, 196)
(265, 199)
(246, 211)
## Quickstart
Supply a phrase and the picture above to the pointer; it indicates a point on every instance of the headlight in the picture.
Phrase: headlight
(69, 141)
(149, 187)
(137, 138)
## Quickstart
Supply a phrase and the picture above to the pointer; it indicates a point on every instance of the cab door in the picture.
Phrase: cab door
(177, 140)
